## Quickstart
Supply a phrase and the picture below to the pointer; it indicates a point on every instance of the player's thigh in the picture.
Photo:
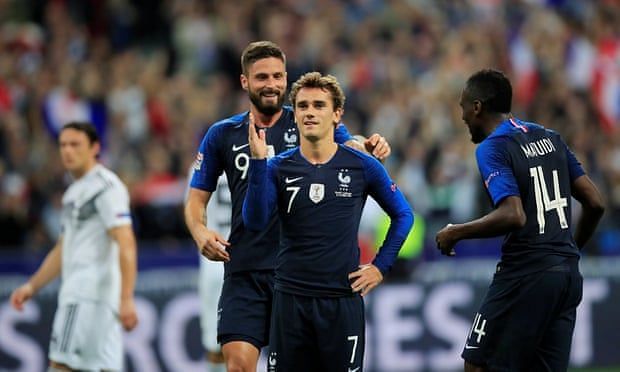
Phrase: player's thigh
(292, 341)
(340, 327)
(210, 283)
(554, 348)
(244, 310)
(87, 335)
(512, 320)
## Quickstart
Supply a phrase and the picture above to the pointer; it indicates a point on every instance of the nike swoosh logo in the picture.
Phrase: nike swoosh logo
(467, 347)
(237, 148)
(353, 370)
(290, 180)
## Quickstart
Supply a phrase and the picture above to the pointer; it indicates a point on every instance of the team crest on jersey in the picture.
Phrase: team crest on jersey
(343, 188)
(271, 151)
(290, 138)
(317, 192)
(198, 161)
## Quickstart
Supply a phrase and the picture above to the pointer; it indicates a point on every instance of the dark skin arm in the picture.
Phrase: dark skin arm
(584, 190)
(508, 216)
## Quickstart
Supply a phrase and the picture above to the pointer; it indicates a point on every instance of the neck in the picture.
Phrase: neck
(318, 152)
(496, 120)
(265, 121)
(79, 173)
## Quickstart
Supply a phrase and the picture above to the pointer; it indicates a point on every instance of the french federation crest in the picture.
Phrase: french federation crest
(317, 192)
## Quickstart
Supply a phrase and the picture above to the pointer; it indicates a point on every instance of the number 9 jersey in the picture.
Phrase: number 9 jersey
(526, 160)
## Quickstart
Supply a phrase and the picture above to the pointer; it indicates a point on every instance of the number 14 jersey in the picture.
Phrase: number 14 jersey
(526, 160)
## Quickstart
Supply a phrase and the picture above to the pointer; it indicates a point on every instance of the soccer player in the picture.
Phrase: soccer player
(245, 304)
(211, 277)
(526, 321)
(319, 190)
(96, 256)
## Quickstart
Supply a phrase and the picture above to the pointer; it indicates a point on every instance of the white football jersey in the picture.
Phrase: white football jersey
(91, 206)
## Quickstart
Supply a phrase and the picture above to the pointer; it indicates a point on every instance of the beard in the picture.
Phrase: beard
(268, 109)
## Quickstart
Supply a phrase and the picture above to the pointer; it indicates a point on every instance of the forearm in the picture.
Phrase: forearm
(127, 259)
(498, 222)
(195, 216)
(255, 205)
(400, 225)
(49, 269)
(586, 225)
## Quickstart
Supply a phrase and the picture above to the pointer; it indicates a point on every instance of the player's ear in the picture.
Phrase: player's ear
(244, 82)
(338, 115)
(477, 106)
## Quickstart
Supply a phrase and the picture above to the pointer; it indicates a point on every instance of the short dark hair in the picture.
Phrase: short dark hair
(492, 88)
(316, 80)
(86, 127)
(258, 50)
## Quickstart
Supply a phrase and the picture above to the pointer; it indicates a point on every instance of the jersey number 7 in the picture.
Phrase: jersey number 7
(543, 203)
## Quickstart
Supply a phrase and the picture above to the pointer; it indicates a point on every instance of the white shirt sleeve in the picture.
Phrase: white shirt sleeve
(113, 206)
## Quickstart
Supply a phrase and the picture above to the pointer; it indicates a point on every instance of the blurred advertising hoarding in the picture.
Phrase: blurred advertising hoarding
(418, 325)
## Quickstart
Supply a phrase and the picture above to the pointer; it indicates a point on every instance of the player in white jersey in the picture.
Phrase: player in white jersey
(212, 276)
(96, 255)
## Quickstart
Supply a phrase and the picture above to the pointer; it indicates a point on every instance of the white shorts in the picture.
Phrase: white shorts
(209, 288)
(87, 336)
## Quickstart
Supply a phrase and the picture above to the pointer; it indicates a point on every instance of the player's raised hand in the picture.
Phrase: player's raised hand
(256, 139)
(128, 315)
(446, 239)
(366, 278)
(211, 244)
(20, 295)
(378, 146)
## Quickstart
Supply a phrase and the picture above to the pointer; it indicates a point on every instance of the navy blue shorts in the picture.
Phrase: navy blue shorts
(316, 334)
(526, 323)
(244, 310)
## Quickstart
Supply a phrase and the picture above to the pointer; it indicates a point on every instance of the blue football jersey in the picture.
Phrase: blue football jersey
(320, 208)
(526, 160)
(225, 148)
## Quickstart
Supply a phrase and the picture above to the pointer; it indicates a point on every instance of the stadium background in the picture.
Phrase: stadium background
(153, 74)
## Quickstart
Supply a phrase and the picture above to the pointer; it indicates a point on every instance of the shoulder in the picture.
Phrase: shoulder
(353, 156)
(230, 123)
(493, 146)
(107, 179)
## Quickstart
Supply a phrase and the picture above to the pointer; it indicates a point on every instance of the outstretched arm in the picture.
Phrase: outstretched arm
(48, 271)
(584, 190)
(375, 145)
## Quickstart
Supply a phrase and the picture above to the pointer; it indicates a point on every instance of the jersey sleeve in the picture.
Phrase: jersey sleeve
(575, 170)
(207, 166)
(260, 199)
(496, 171)
(393, 202)
(113, 206)
(341, 134)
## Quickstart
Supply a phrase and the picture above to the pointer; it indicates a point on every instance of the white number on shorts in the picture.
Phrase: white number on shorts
(478, 327)
(354, 339)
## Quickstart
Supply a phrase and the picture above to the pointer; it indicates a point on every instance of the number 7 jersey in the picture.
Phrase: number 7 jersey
(225, 148)
(526, 160)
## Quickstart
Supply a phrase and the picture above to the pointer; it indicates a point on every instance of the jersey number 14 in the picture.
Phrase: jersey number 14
(543, 203)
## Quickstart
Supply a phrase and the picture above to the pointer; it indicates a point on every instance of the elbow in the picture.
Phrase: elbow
(518, 219)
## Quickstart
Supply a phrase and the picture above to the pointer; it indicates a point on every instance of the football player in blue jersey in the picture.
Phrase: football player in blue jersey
(526, 321)
(318, 190)
(244, 309)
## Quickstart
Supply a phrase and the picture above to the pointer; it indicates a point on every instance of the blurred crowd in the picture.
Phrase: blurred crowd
(154, 74)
